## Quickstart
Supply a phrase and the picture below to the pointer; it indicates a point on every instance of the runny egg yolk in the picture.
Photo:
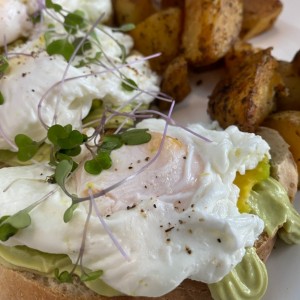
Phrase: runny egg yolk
(248, 180)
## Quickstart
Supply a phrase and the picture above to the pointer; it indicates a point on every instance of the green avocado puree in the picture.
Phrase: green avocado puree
(24, 258)
(248, 280)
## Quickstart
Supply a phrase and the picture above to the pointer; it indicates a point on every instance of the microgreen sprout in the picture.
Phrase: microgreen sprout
(27, 148)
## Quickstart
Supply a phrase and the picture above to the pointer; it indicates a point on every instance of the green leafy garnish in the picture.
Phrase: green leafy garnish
(73, 21)
(111, 142)
(129, 85)
(62, 47)
(56, 7)
(66, 143)
(101, 162)
(9, 225)
(63, 277)
(27, 147)
(1, 99)
(68, 215)
(91, 276)
(62, 171)
(136, 136)
(84, 47)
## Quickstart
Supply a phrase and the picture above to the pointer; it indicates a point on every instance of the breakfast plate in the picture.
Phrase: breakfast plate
(284, 263)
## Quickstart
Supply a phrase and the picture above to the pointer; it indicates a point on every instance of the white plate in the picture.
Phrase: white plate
(284, 263)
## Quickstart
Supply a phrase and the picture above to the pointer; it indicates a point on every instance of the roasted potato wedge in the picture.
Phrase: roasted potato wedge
(159, 33)
(175, 81)
(210, 29)
(259, 16)
(245, 97)
(291, 99)
(287, 123)
(132, 11)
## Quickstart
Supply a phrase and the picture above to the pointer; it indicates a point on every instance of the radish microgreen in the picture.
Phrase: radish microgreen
(63, 277)
(9, 225)
(54, 6)
(68, 215)
(129, 85)
(27, 148)
(74, 21)
(62, 47)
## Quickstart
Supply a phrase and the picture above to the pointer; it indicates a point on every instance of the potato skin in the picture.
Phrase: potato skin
(246, 96)
(175, 81)
(210, 29)
(291, 99)
(160, 32)
(287, 123)
(259, 16)
(132, 11)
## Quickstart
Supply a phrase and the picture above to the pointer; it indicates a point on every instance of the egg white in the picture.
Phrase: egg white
(178, 219)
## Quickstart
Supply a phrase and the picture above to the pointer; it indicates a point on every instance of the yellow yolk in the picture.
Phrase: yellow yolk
(248, 180)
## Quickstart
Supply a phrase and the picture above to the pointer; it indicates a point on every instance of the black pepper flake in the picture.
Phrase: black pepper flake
(147, 158)
(130, 167)
(142, 211)
(33, 90)
(188, 250)
(154, 205)
(192, 205)
(24, 74)
(219, 240)
(131, 207)
(190, 231)
(138, 161)
(145, 187)
(169, 229)
(181, 222)
(160, 226)
(168, 240)
(199, 82)
(107, 216)
(184, 157)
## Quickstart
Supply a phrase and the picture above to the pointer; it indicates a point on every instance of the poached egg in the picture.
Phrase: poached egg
(177, 219)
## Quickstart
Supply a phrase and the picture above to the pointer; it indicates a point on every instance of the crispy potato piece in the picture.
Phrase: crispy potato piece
(287, 123)
(175, 81)
(259, 16)
(132, 11)
(291, 99)
(237, 55)
(246, 96)
(283, 165)
(296, 62)
(159, 33)
(210, 29)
